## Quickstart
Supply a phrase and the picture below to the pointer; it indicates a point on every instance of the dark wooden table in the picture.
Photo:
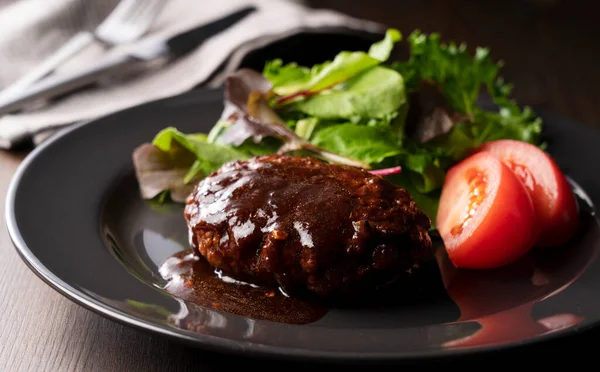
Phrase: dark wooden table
(551, 53)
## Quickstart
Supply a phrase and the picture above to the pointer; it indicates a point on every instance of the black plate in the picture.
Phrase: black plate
(75, 216)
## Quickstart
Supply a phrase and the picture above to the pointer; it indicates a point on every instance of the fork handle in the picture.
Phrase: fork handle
(77, 43)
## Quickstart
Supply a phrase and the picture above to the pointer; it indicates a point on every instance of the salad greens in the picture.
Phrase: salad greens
(175, 161)
(422, 113)
(291, 79)
(375, 93)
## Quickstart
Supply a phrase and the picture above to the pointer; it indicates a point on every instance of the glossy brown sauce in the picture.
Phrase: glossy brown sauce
(500, 301)
(306, 226)
(192, 279)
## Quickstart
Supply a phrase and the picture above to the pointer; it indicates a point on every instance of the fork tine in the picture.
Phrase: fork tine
(144, 17)
(120, 12)
(130, 22)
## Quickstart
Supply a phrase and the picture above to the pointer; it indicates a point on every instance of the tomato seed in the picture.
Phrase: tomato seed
(477, 182)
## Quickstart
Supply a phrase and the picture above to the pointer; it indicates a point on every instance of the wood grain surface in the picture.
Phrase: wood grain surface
(551, 54)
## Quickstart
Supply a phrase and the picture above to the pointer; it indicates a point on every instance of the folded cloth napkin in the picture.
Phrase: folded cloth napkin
(32, 29)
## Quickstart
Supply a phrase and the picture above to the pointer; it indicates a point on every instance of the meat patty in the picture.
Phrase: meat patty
(306, 225)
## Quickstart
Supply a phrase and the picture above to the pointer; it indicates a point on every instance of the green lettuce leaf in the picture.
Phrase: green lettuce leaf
(305, 127)
(174, 161)
(281, 75)
(291, 79)
(367, 143)
(510, 122)
(381, 50)
(209, 156)
(372, 94)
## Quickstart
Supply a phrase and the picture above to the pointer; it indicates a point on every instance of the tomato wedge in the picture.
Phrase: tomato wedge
(486, 217)
(553, 199)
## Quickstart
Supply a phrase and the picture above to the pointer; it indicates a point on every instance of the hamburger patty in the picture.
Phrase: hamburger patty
(306, 225)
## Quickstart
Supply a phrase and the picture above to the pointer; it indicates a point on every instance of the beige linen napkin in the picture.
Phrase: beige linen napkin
(31, 29)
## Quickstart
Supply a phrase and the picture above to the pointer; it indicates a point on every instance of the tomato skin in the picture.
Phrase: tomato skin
(503, 227)
(553, 199)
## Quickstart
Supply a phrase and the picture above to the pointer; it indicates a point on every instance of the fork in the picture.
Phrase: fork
(128, 21)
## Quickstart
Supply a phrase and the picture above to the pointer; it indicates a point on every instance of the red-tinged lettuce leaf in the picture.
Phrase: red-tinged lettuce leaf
(235, 127)
(429, 114)
(261, 112)
(244, 117)
(241, 128)
(158, 171)
(240, 84)
(387, 171)
(248, 115)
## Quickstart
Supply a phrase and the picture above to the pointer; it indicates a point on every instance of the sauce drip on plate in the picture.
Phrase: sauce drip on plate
(192, 279)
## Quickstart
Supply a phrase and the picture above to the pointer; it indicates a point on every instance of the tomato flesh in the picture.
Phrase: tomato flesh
(553, 199)
(486, 217)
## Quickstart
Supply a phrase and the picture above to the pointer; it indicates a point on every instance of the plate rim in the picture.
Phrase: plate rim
(214, 343)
